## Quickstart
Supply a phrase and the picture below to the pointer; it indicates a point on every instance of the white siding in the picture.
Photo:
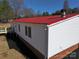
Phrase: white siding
(63, 36)
(39, 36)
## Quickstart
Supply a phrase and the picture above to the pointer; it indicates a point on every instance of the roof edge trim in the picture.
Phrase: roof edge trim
(49, 25)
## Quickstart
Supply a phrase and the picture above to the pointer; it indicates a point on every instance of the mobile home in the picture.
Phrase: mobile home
(49, 37)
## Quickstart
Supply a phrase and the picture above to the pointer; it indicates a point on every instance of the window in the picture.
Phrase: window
(29, 31)
(19, 27)
(26, 30)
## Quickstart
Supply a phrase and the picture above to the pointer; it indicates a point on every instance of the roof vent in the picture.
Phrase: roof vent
(63, 14)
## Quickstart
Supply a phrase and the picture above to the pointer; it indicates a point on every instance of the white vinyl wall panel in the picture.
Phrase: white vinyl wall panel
(38, 33)
(63, 36)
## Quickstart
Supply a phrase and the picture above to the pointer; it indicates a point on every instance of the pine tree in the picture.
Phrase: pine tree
(6, 11)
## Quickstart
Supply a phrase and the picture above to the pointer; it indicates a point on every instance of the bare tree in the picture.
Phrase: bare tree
(66, 7)
(17, 5)
(28, 12)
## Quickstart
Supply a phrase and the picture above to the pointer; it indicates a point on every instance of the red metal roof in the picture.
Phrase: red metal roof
(44, 19)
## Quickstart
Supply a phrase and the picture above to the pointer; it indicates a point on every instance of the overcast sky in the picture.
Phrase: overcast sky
(49, 5)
